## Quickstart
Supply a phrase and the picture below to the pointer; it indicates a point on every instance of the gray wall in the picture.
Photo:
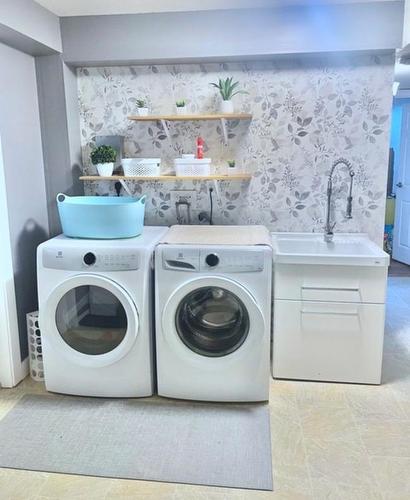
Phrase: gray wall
(27, 26)
(24, 173)
(60, 130)
(228, 34)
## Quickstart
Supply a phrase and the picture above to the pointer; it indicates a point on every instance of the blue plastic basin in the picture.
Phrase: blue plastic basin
(101, 217)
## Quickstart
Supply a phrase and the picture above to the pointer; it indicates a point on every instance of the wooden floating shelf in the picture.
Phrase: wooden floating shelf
(181, 118)
(236, 177)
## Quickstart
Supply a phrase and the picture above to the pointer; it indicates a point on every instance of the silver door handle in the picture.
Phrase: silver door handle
(399, 184)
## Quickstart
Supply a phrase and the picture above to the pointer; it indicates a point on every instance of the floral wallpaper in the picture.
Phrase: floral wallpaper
(306, 113)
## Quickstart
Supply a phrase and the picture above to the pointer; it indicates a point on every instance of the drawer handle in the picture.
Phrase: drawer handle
(332, 313)
(348, 321)
(351, 294)
(326, 289)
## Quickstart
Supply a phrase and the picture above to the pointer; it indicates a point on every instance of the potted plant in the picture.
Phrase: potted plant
(181, 107)
(227, 88)
(103, 157)
(232, 168)
(142, 107)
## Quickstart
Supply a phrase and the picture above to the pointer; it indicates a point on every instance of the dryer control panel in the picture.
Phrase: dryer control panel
(218, 260)
(76, 259)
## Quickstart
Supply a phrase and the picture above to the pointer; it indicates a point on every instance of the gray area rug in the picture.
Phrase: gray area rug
(156, 440)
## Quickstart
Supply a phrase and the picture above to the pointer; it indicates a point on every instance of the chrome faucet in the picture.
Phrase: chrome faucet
(328, 236)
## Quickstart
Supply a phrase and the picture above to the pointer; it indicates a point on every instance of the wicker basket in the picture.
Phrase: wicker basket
(141, 167)
(192, 167)
(35, 348)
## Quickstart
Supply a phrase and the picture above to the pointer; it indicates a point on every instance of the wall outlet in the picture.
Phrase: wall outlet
(188, 195)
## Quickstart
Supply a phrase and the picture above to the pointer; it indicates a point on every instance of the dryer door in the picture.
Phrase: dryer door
(90, 319)
(213, 317)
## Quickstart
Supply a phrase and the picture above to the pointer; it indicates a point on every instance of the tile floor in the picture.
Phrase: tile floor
(329, 441)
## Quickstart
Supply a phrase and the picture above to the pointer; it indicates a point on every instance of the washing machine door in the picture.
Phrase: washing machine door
(213, 317)
(91, 320)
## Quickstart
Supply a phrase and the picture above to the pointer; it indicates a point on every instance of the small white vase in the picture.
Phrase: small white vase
(142, 111)
(233, 171)
(105, 169)
(181, 110)
(226, 106)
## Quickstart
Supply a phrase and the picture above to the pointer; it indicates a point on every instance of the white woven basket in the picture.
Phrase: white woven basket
(192, 167)
(141, 167)
(35, 347)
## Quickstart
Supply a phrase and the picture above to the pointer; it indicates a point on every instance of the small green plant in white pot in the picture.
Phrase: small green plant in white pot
(142, 107)
(181, 107)
(228, 89)
(103, 157)
(232, 168)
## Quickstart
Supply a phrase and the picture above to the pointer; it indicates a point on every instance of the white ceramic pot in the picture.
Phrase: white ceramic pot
(142, 111)
(226, 106)
(181, 111)
(105, 169)
(232, 170)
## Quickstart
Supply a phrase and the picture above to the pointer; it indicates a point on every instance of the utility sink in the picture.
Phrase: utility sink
(329, 307)
(310, 248)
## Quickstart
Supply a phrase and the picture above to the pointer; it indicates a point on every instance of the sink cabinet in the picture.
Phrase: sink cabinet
(328, 322)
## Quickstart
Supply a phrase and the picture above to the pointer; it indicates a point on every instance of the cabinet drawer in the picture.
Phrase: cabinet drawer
(330, 283)
(328, 341)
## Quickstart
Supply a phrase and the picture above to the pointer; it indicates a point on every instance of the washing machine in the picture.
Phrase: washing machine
(96, 314)
(213, 315)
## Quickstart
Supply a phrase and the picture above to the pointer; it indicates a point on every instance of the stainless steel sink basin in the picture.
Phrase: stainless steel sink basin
(310, 248)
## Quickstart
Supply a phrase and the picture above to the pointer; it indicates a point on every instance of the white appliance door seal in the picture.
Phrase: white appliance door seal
(248, 310)
(90, 319)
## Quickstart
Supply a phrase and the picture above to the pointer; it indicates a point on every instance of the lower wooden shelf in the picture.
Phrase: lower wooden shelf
(236, 177)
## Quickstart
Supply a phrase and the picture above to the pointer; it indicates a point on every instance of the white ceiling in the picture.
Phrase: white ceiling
(106, 7)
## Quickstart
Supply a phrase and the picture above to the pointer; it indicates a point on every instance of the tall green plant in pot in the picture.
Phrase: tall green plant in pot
(103, 157)
(228, 89)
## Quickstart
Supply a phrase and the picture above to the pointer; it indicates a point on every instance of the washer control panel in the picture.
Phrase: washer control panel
(232, 261)
(75, 259)
(212, 259)
(90, 258)
(219, 260)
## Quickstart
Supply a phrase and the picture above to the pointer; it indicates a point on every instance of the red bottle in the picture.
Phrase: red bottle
(200, 148)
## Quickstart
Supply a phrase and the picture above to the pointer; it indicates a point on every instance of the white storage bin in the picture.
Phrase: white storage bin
(190, 167)
(141, 167)
(35, 347)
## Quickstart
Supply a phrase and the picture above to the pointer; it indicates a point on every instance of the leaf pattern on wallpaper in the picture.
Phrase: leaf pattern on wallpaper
(306, 113)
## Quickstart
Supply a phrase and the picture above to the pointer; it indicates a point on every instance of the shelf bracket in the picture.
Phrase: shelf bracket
(224, 130)
(126, 188)
(165, 128)
(217, 192)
